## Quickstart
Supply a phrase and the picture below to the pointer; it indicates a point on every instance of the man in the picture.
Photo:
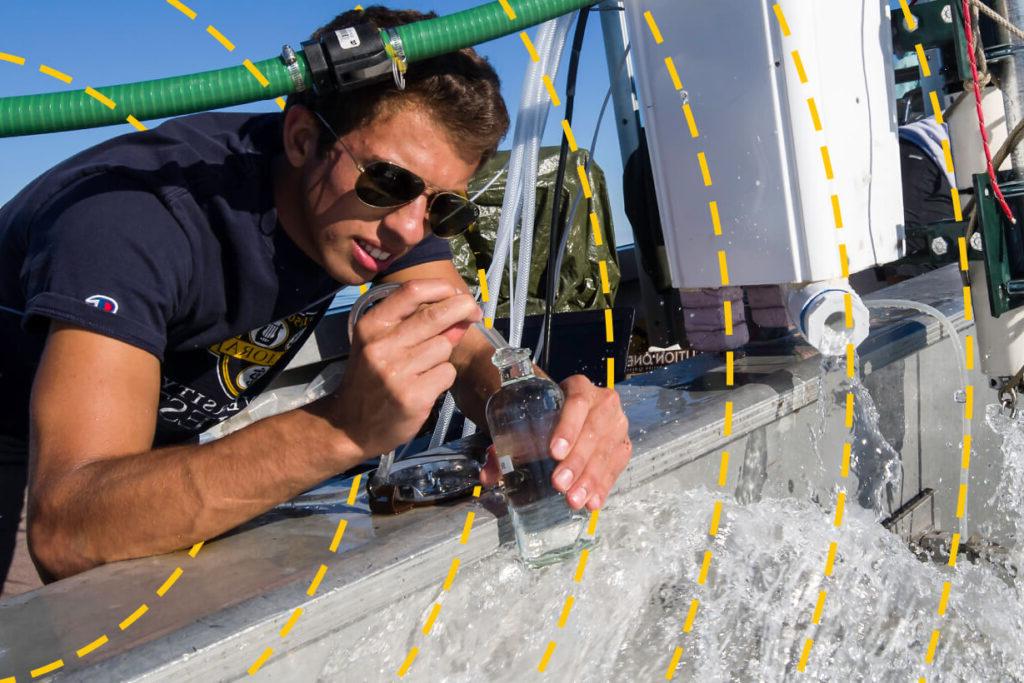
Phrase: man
(151, 286)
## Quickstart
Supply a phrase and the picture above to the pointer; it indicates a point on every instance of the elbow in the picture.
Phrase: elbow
(54, 540)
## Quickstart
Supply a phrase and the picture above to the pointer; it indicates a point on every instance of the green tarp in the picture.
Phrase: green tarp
(580, 285)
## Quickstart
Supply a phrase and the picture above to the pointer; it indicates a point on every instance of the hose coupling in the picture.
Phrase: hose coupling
(291, 62)
(347, 59)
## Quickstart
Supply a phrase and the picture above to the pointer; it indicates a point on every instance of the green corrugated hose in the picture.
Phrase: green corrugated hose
(147, 100)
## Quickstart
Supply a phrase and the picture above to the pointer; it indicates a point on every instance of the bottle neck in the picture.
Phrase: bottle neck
(516, 371)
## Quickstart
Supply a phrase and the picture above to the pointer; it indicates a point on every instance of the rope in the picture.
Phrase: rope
(997, 17)
(969, 32)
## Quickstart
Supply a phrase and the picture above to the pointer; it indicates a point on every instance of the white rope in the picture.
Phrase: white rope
(998, 18)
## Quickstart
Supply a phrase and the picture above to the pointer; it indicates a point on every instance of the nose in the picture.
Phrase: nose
(407, 224)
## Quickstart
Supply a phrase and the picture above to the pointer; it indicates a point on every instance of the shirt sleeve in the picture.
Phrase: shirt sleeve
(431, 249)
(106, 255)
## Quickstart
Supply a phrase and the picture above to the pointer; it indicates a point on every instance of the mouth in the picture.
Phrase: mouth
(371, 257)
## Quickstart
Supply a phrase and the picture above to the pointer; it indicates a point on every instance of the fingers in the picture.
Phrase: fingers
(490, 474)
(452, 315)
(429, 354)
(432, 306)
(574, 414)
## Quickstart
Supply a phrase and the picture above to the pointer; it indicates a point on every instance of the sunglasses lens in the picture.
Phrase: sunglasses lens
(385, 185)
(451, 215)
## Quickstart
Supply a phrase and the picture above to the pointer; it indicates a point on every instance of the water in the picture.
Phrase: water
(754, 616)
(546, 529)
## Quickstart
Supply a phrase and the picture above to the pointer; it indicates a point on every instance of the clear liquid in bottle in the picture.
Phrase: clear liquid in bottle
(521, 417)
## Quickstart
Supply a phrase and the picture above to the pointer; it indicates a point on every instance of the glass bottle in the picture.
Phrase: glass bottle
(521, 417)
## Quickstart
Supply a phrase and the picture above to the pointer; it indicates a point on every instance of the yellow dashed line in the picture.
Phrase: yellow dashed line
(595, 226)
(958, 212)
(133, 617)
(727, 317)
(409, 659)
(968, 307)
(609, 327)
(704, 172)
(830, 559)
(184, 9)
(673, 73)
(136, 123)
(954, 547)
(171, 580)
(723, 268)
(783, 24)
(93, 646)
(195, 549)
(705, 566)
(566, 610)
(827, 161)
(923, 60)
(819, 608)
(315, 583)
(431, 618)
(43, 670)
(511, 13)
(691, 615)
(804, 655)
(260, 661)
(908, 17)
(256, 73)
(552, 93)
(962, 244)
(727, 427)
(723, 469)
(286, 629)
(452, 571)
(59, 75)
(716, 516)
(353, 492)
(611, 373)
(849, 410)
(338, 534)
(488, 323)
(961, 501)
(363, 289)
(936, 109)
(840, 506)
(965, 455)
(932, 645)
(848, 309)
(691, 123)
(13, 59)
(947, 153)
(534, 57)
(969, 403)
(655, 31)
(844, 261)
(605, 284)
(467, 527)
(815, 119)
(944, 599)
(729, 360)
(220, 38)
(584, 181)
(716, 220)
(280, 102)
(799, 64)
(673, 664)
(569, 136)
(581, 566)
(844, 467)
(548, 651)
(481, 276)
(837, 213)
(592, 524)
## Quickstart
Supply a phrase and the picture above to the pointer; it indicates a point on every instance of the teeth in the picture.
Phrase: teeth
(374, 252)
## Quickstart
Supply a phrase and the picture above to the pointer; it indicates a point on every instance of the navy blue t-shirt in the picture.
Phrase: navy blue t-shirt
(167, 240)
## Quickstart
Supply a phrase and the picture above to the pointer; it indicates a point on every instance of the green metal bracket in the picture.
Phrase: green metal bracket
(1003, 245)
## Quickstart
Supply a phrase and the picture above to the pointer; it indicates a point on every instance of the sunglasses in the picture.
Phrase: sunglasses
(383, 185)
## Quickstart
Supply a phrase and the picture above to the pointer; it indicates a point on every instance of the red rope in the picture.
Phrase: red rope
(969, 32)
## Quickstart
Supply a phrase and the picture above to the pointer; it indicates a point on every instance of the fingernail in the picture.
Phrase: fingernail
(595, 503)
(563, 479)
(578, 497)
(560, 448)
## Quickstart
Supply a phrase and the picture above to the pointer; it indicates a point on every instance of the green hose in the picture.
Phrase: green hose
(157, 99)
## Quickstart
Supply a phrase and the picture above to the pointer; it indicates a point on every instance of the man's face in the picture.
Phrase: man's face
(355, 242)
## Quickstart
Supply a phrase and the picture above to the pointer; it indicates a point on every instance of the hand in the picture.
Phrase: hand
(400, 364)
(591, 441)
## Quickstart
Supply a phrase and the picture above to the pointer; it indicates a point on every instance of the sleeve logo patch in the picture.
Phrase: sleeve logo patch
(102, 302)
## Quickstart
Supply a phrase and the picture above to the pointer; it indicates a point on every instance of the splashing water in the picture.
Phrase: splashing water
(754, 616)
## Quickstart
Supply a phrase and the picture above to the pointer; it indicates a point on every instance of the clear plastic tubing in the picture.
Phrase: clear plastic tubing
(961, 363)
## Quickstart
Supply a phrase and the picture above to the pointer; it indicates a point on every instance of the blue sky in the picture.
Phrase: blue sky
(104, 43)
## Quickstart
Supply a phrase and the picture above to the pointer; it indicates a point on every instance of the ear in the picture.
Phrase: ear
(301, 133)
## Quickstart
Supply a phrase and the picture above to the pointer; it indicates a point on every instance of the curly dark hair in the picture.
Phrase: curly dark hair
(460, 89)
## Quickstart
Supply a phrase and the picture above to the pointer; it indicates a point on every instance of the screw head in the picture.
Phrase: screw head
(976, 242)
(940, 246)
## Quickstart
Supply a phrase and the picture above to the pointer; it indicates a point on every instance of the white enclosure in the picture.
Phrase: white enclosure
(763, 151)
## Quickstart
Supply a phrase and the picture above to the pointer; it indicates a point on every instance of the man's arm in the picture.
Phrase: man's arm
(100, 493)
(591, 438)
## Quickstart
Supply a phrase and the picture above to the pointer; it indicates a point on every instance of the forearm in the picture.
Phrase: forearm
(166, 499)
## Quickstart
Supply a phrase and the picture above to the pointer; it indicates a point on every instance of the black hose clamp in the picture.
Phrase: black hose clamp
(347, 59)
